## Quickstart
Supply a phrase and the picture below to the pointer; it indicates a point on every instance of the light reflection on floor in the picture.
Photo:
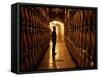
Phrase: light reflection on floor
(61, 60)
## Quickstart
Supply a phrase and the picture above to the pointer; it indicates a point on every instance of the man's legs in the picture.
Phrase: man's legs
(53, 48)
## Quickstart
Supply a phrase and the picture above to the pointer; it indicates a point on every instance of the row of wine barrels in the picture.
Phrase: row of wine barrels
(31, 17)
(82, 34)
(34, 37)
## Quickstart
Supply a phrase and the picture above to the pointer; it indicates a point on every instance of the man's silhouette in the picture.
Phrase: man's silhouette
(53, 40)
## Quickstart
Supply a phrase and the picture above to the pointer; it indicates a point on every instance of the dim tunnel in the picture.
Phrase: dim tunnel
(62, 59)
(75, 45)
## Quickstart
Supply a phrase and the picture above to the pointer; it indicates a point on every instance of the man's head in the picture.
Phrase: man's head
(54, 28)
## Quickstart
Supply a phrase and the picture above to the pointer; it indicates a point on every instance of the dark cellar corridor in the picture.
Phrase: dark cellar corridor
(75, 42)
(62, 59)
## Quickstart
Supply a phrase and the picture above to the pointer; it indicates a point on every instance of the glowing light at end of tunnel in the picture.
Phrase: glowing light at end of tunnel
(59, 29)
(60, 36)
(54, 23)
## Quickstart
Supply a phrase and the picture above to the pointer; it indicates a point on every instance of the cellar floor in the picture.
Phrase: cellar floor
(61, 60)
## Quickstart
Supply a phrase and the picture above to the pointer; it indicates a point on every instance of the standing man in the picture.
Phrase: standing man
(53, 40)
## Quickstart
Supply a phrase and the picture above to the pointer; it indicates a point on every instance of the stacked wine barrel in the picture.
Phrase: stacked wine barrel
(34, 36)
(80, 36)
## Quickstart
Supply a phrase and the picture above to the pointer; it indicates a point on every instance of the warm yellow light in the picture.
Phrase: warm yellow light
(60, 33)
(51, 25)
(54, 23)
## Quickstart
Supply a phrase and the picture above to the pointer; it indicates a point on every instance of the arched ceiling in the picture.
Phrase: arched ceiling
(57, 14)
